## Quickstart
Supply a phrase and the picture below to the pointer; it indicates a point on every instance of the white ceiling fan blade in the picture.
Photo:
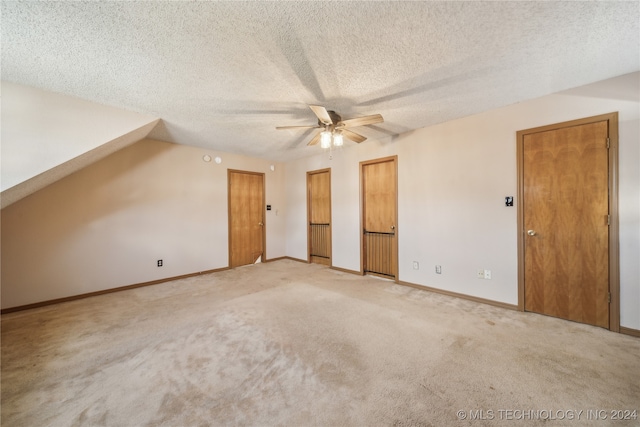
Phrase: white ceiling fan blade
(361, 121)
(315, 139)
(322, 114)
(356, 137)
(297, 127)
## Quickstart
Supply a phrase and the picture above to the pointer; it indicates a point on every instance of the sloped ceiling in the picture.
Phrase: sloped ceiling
(222, 75)
(47, 136)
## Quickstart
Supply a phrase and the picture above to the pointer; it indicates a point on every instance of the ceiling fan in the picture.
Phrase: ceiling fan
(335, 128)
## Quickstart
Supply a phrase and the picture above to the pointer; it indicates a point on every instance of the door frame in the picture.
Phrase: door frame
(264, 217)
(309, 173)
(394, 159)
(614, 237)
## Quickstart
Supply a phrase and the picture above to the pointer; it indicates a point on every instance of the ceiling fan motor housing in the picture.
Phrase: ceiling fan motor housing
(335, 119)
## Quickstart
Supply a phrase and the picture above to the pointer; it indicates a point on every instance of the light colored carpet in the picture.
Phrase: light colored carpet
(286, 343)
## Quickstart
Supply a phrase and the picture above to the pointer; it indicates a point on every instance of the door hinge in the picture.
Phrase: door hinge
(608, 143)
(609, 297)
(608, 219)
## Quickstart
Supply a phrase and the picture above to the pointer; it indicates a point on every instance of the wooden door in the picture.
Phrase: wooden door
(319, 216)
(246, 217)
(566, 221)
(379, 217)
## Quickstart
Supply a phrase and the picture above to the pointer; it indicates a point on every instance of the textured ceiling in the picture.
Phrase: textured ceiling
(222, 75)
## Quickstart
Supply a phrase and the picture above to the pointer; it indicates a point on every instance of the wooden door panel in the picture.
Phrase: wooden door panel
(566, 197)
(380, 195)
(246, 200)
(320, 194)
(256, 217)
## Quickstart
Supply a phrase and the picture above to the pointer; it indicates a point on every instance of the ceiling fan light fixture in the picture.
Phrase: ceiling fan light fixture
(325, 139)
(338, 139)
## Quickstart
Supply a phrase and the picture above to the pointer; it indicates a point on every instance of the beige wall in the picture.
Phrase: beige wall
(452, 181)
(107, 225)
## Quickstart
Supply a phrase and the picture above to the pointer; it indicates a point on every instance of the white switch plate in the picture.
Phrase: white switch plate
(416, 266)
(438, 269)
(480, 274)
(487, 274)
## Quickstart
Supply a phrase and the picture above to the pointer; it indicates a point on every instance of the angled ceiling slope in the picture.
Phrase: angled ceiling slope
(47, 136)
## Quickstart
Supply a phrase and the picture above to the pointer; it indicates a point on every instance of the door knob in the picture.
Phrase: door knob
(393, 227)
(531, 232)
(260, 224)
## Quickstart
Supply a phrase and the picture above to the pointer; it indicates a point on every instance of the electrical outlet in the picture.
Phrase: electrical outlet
(487, 274)
(159, 263)
(438, 269)
(480, 274)
(416, 266)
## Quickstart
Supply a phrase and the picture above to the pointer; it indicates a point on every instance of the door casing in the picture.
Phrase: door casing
(614, 252)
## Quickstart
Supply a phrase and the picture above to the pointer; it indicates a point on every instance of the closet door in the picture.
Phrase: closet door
(379, 217)
(319, 216)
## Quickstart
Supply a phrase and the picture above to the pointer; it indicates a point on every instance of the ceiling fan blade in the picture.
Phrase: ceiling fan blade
(297, 127)
(315, 139)
(356, 137)
(322, 114)
(361, 121)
